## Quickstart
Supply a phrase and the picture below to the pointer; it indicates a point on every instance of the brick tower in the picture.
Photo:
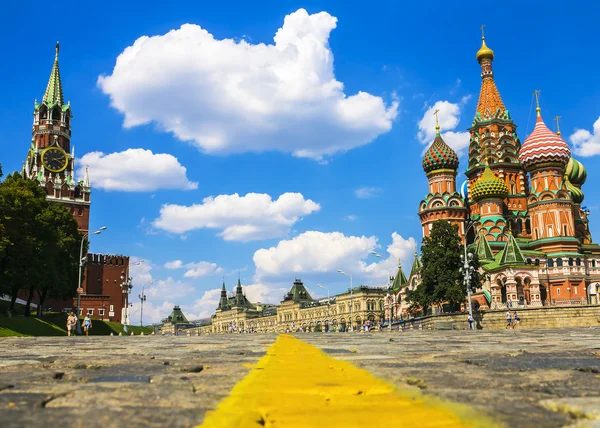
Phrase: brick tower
(51, 158)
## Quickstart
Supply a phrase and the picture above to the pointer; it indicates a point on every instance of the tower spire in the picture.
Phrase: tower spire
(536, 94)
(490, 103)
(54, 93)
(557, 125)
(437, 124)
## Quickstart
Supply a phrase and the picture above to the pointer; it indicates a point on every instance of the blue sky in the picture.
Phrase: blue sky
(325, 130)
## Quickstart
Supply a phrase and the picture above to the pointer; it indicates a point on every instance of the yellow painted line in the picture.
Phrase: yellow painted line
(298, 385)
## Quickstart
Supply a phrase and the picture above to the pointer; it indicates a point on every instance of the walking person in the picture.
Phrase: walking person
(470, 319)
(517, 320)
(71, 321)
(87, 324)
(508, 319)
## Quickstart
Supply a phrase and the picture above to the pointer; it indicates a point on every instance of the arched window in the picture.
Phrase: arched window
(578, 261)
(550, 262)
(528, 261)
(593, 262)
(570, 261)
(537, 262)
(559, 262)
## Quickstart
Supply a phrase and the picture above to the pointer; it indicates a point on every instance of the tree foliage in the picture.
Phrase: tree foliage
(442, 281)
(39, 243)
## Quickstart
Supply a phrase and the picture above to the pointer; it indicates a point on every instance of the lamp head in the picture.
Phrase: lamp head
(97, 232)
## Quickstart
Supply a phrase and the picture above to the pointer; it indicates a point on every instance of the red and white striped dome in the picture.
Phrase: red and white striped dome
(543, 146)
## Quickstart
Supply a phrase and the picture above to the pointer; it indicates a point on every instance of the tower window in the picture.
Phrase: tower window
(570, 261)
(537, 262)
(550, 262)
(593, 262)
(558, 291)
(564, 229)
(578, 261)
(559, 262)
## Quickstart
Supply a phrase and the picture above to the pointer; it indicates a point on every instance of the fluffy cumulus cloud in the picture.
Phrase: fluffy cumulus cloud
(316, 254)
(135, 170)
(240, 218)
(195, 269)
(586, 143)
(449, 118)
(367, 192)
(228, 96)
(153, 313)
(203, 307)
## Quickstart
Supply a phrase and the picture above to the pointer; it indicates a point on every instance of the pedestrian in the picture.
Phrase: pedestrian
(470, 319)
(517, 320)
(71, 321)
(508, 319)
(87, 324)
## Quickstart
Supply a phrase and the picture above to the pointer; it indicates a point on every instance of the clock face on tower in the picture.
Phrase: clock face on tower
(54, 159)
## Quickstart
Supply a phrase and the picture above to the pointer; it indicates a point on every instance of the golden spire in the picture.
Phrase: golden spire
(536, 94)
(437, 125)
(557, 125)
(57, 48)
(484, 52)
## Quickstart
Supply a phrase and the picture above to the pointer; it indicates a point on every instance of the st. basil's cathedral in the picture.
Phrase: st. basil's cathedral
(519, 208)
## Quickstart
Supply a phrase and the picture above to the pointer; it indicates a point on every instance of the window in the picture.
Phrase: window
(558, 291)
(550, 262)
(111, 308)
(593, 262)
(570, 261)
(578, 261)
(576, 290)
(90, 312)
(537, 262)
(559, 262)
(101, 312)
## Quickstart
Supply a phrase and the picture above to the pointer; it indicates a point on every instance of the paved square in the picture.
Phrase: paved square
(518, 377)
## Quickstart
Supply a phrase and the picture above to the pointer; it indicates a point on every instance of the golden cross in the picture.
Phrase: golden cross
(437, 125)
(536, 93)
(557, 125)
(482, 27)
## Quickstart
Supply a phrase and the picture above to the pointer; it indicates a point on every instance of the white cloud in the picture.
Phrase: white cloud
(203, 307)
(153, 313)
(174, 264)
(135, 170)
(317, 253)
(199, 269)
(265, 293)
(232, 96)
(170, 287)
(241, 218)
(367, 192)
(140, 270)
(351, 217)
(449, 118)
(586, 143)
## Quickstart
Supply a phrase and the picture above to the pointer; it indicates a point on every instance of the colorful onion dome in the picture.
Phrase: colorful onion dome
(489, 186)
(575, 171)
(575, 192)
(543, 146)
(484, 52)
(464, 190)
(439, 156)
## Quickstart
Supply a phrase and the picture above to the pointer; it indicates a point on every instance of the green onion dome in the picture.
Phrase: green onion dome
(489, 186)
(576, 172)
(439, 156)
(575, 192)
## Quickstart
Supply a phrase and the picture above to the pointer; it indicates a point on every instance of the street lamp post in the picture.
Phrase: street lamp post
(142, 300)
(81, 264)
(351, 300)
(328, 304)
(466, 269)
(126, 287)
(389, 294)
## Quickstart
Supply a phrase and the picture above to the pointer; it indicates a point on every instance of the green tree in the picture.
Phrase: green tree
(39, 241)
(60, 254)
(442, 281)
(21, 202)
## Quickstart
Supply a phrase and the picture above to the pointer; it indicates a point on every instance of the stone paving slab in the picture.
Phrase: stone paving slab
(524, 378)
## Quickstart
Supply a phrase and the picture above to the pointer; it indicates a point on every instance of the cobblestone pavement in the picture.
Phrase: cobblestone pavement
(524, 378)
